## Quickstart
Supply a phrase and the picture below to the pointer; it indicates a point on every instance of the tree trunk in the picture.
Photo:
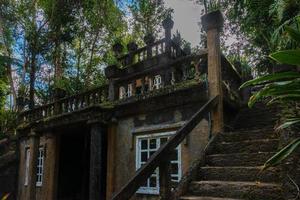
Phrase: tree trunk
(32, 80)
(89, 67)
(57, 62)
(12, 87)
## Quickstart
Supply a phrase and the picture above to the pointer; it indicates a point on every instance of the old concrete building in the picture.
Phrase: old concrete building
(90, 146)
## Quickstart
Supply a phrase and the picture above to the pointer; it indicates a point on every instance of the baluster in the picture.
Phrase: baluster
(92, 98)
(72, 104)
(165, 180)
(47, 111)
(76, 107)
(86, 101)
(144, 55)
(139, 56)
(62, 106)
(104, 95)
(95, 96)
(82, 102)
(149, 52)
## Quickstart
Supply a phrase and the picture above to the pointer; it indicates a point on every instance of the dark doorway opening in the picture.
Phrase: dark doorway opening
(73, 169)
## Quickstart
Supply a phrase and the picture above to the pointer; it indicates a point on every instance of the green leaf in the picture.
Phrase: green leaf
(282, 154)
(270, 78)
(293, 33)
(291, 57)
(289, 123)
(286, 97)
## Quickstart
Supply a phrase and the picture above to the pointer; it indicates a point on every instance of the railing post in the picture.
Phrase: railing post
(168, 24)
(212, 24)
(165, 180)
(97, 181)
(33, 146)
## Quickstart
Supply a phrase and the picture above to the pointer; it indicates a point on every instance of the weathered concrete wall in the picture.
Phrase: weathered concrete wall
(22, 189)
(47, 189)
(150, 123)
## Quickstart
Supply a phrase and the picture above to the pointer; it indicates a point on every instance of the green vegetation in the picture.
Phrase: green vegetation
(282, 88)
(50, 46)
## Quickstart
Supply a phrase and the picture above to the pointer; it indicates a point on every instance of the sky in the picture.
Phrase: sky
(186, 17)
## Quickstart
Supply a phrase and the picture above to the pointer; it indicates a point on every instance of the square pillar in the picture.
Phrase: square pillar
(212, 24)
(50, 166)
(111, 151)
(27, 192)
(97, 187)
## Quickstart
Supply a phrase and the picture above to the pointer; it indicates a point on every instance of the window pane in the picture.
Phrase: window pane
(174, 156)
(153, 144)
(144, 144)
(151, 153)
(145, 184)
(153, 181)
(163, 140)
(174, 168)
(175, 178)
(144, 156)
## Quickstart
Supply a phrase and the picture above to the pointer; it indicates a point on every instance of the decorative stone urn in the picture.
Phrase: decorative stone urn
(132, 46)
(149, 39)
(117, 48)
(213, 20)
(112, 71)
(187, 49)
(59, 93)
(168, 23)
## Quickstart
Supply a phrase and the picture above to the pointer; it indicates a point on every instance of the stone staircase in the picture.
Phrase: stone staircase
(233, 163)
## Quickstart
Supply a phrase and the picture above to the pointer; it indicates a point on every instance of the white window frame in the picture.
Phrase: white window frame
(122, 92)
(27, 165)
(129, 90)
(149, 190)
(40, 166)
(157, 83)
(150, 81)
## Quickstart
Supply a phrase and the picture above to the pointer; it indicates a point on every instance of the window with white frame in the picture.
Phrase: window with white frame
(122, 93)
(129, 90)
(27, 162)
(146, 145)
(157, 82)
(40, 167)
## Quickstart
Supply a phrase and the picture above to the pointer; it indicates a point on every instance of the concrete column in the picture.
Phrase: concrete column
(111, 90)
(168, 24)
(97, 180)
(50, 166)
(33, 145)
(111, 148)
(212, 24)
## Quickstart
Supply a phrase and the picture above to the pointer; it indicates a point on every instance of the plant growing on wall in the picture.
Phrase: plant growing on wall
(283, 88)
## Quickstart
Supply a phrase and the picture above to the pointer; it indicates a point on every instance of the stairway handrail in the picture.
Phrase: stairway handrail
(161, 156)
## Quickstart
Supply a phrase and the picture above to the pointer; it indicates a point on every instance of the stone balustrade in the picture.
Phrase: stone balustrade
(66, 105)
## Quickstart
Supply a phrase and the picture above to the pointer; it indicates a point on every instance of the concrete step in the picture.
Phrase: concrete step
(247, 146)
(249, 125)
(240, 190)
(204, 198)
(242, 135)
(238, 159)
(239, 174)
